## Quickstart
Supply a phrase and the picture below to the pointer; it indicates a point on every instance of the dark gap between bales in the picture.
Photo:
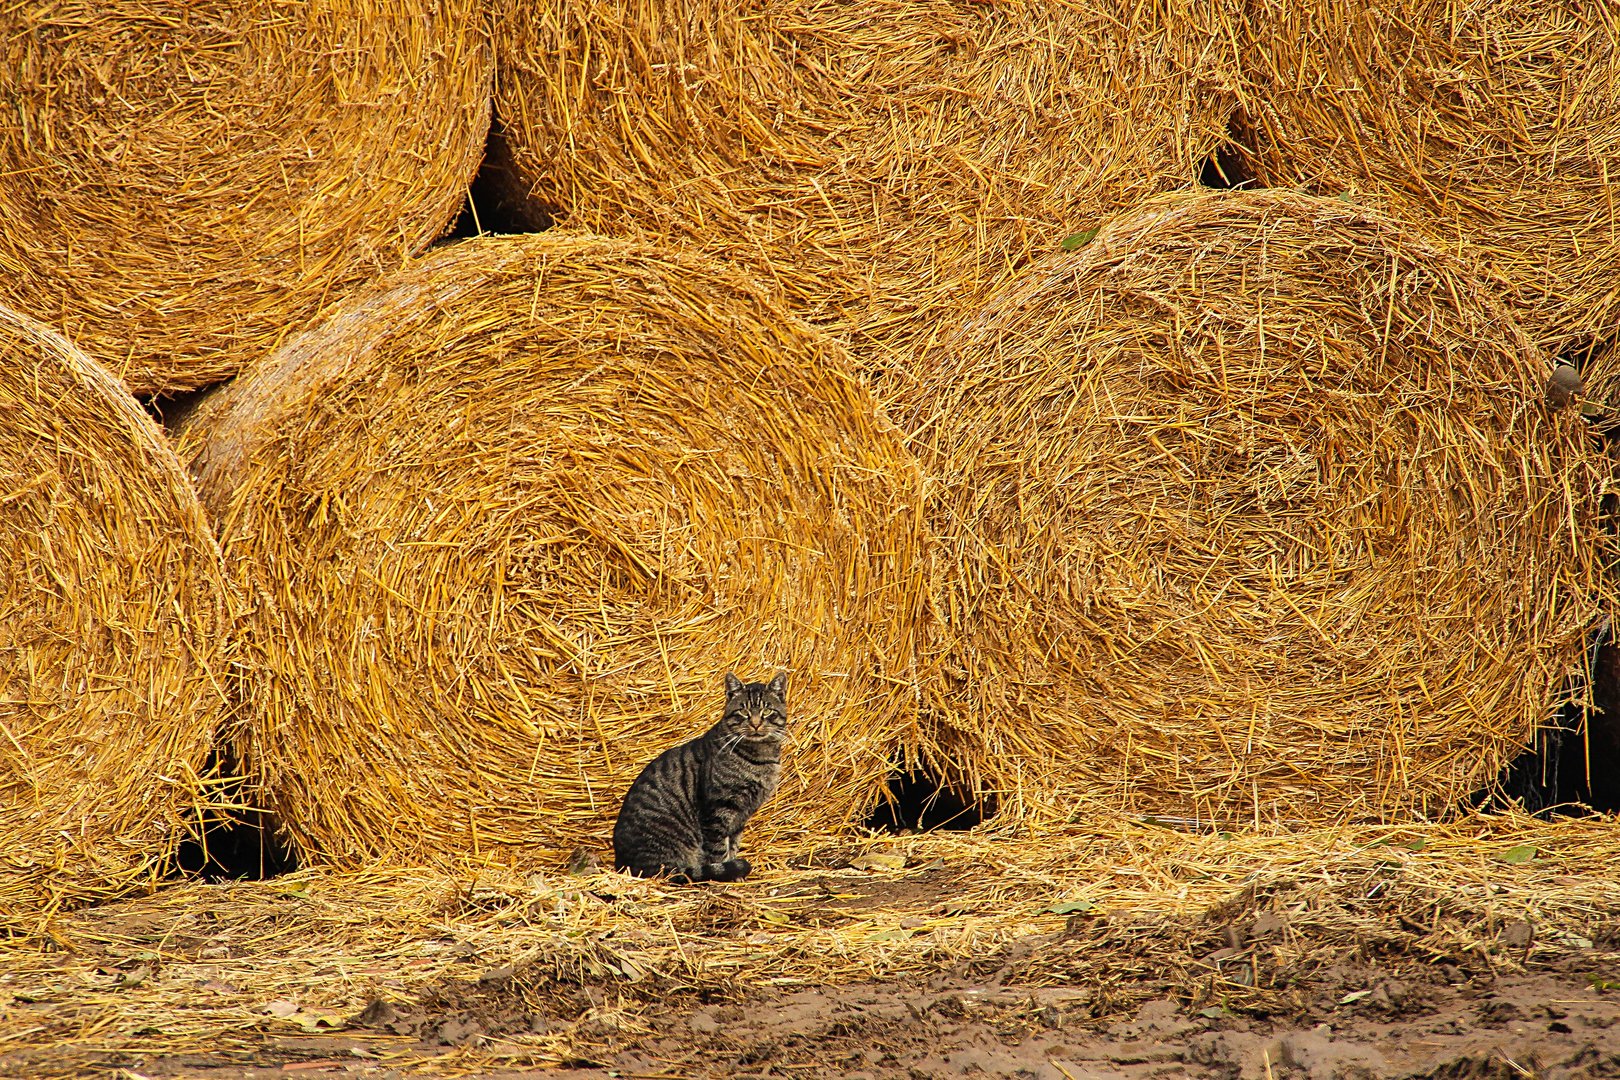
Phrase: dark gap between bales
(1573, 768)
(918, 801)
(1230, 167)
(492, 207)
(236, 842)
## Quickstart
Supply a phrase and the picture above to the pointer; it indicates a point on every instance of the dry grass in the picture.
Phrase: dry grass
(111, 634)
(1251, 508)
(879, 163)
(509, 516)
(1120, 910)
(184, 184)
(1493, 125)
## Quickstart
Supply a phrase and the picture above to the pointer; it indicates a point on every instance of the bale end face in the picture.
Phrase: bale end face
(113, 641)
(1251, 509)
(180, 192)
(511, 515)
(877, 167)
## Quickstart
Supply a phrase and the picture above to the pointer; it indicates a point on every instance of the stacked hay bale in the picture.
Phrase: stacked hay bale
(509, 516)
(1496, 127)
(877, 164)
(180, 187)
(1251, 508)
(112, 631)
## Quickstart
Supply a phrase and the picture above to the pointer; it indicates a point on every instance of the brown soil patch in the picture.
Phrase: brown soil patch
(1551, 1023)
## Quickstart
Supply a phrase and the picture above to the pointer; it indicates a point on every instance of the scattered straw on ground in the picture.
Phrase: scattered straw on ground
(509, 517)
(184, 184)
(878, 162)
(111, 633)
(1495, 125)
(1119, 910)
(1251, 506)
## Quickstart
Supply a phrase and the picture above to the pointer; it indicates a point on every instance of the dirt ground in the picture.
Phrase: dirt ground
(1376, 969)
(1553, 1024)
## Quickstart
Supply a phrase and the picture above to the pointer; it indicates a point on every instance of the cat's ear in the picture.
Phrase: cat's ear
(779, 685)
(733, 684)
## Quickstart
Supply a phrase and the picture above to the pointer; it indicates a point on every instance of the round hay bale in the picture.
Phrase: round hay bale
(112, 631)
(874, 163)
(510, 516)
(1251, 508)
(180, 186)
(1497, 128)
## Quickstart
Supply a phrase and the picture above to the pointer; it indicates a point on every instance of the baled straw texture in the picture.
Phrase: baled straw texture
(509, 517)
(873, 162)
(111, 633)
(181, 185)
(1494, 126)
(1251, 508)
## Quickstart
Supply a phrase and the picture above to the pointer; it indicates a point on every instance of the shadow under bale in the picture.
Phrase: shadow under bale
(919, 801)
(1574, 765)
(235, 846)
(231, 840)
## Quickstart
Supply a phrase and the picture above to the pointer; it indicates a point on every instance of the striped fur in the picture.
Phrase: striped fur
(684, 813)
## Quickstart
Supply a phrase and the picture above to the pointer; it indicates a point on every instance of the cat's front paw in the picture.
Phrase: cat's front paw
(732, 870)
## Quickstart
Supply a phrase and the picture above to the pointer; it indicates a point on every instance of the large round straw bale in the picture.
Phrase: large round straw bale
(180, 185)
(111, 633)
(1251, 507)
(1494, 125)
(873, 162)
(510, 516)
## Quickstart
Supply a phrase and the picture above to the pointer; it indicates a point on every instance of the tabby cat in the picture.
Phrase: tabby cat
(684, 813)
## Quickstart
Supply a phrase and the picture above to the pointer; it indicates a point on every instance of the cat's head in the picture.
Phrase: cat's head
(757, 711)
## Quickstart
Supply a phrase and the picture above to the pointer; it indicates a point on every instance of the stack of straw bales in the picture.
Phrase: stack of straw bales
(508, 517)
(1248, 506)
(180, 186)
(1492, 125)
(875, 163)
(111, 633)
(1251, 508)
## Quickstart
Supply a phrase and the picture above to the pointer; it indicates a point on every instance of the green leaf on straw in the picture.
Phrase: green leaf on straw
(1079, 239)
(1071, 907)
